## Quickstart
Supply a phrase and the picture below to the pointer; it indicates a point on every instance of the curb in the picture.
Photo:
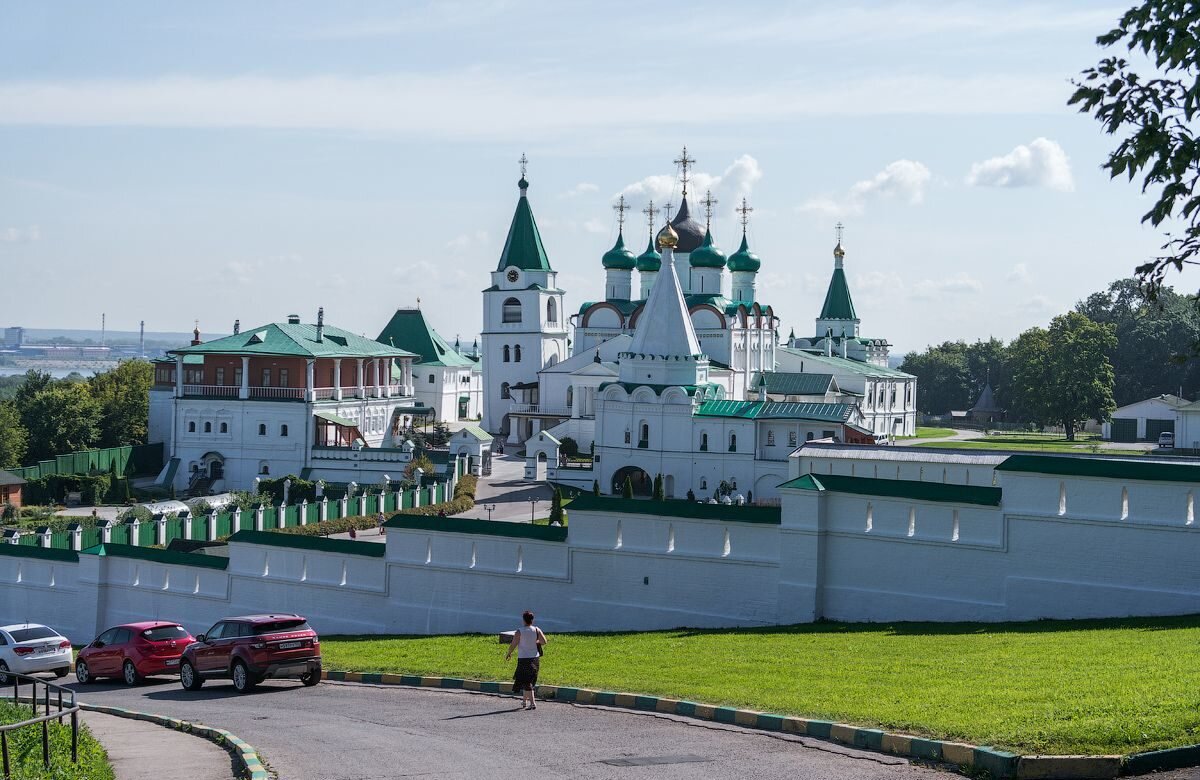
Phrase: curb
(976, 758)
(244, 753)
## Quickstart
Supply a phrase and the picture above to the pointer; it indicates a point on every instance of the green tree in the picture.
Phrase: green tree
(14, 439)
(627, 489)
(943, 379)
(1063, 375)
(658, 488)
(422, 462)
(595, 487)
(34, 383)
(61, 418)
(124, 397)
(556, 510)
(1155, 119)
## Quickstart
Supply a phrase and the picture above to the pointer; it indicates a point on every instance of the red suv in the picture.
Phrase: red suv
(133, 651)
(252, 648)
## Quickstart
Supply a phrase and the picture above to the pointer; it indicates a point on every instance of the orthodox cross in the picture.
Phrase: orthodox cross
(744, 210)
(667, 212)
(650, 213)
(621, 208)
(523, 161)
(838, 229)
(709, 201)
(684, 162)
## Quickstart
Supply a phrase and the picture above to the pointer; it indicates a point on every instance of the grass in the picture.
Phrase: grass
(25, 750)
(1054, 687)
(931, 433)
(1031, 442)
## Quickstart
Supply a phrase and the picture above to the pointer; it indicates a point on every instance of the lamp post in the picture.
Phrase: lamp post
(490, 508)
(533, 502)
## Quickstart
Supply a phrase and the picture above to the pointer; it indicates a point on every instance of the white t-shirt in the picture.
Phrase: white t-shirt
(527, 642)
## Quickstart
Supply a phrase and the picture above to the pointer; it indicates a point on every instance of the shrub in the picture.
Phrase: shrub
(658, 488)
(8, 513)
(140, 513)
(463, 500)
(595, 487)
(691, 495)
(556, 510)
(569, 447)
(299, 490)
(627, 489)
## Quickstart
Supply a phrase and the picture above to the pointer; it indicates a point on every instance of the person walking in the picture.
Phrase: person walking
(379, 520)
(527, 641)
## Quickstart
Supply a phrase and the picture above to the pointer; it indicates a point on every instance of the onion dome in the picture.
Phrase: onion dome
(744, 259)
(667, 238)
(619, 258)
(838, 252)
(690, 232)
(707, 255)
(650, 260)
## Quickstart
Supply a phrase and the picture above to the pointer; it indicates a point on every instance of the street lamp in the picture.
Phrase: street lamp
(533, 502)
(489, 508)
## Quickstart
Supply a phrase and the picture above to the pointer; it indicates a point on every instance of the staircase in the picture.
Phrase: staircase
(199, 485)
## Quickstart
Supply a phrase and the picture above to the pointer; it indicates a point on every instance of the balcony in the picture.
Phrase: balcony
(210, 391)
(541, 410)
(288, 393)
(277, 393)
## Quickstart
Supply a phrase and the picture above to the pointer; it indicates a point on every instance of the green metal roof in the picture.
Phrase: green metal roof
(787, 383)
(898, 488)
(409, 330)
(707, 255)
(586, 502)
(464, 525)
(523, 247)
(315, 543)
(776, 410)
(848, 365)
(333, 418)
(294, 340)
(1110, 468)
(838, 305)
(744, 259)
(477, 432)
(188, 360)
(42, 553)
(159, 556)
(619, 258)
(650, 260)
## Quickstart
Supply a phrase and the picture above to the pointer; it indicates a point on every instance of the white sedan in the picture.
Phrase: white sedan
(26, 648)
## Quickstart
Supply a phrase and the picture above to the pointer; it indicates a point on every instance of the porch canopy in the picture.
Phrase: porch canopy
(335, 431)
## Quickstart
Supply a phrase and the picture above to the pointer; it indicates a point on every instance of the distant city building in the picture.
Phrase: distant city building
(14, 337)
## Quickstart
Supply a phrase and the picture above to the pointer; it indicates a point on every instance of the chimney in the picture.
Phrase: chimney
(321, 324)
(142, 339)
(237, 327)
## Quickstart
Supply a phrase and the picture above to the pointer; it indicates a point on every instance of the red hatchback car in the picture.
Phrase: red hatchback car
(133, 652)
(250, 649)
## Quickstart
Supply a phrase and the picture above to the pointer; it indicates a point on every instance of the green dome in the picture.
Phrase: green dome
(619, 258)
(744, 259)
(706, 255)
(650, 260)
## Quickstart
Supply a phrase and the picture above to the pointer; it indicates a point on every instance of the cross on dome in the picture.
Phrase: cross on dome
(838, 228)
(744, 210)
(650, 213)
(709, 201)
(684, 162)
(621, 208)
(524, 161)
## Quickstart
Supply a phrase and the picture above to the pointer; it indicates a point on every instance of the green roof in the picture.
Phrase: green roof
(465, 525)
(847, 364)
(744, 259)
(838, 305)
(523, 247)
(776, 410)
(409, 330)
(314, 543)
(294, 340)
(1099, 466)
(619, 258)
(898, 488)
(477, 432)
(650, 260)
(336, 420)
(707, 255)
(41, 553)
(587, 502)
(159, 556)
(787, 383)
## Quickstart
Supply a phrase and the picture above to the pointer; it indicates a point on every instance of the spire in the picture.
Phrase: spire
(684, 162)
(664, 328)
(838, 305)
(523, 247)
(838, 252)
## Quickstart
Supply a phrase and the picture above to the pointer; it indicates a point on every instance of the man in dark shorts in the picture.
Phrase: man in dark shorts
(527, 641)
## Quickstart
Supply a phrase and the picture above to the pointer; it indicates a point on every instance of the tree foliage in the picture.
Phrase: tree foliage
(951, 375)
(1153, 116)
(556, 508)
(14, 439)
(63, 417)
(124, 398)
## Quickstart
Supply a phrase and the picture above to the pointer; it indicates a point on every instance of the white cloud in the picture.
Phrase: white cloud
(903, 179)
(594, 225)
(961, 284)
(581, 188)
(1042, 163)
(463, 242)
(1020, 273)
(16, 235)
(878, 281)
(729, 187)
(1039, 304)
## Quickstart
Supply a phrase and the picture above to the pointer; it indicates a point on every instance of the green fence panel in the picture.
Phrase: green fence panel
(224, 525)
(199, 527)
(406, 499)
(89, 537)
(120, 534)
(371, 505)
(269, 517)
(335, 510)
(146, 534)
(60, 540)
(291, 516)
(174, 529)
(29, 540)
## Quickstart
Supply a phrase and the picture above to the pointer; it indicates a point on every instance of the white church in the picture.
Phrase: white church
(688, 378)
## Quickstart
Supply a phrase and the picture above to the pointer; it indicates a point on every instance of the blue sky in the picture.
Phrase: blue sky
(234, 160)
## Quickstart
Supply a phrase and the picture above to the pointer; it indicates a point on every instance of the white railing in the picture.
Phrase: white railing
(278, 393)
(323, 393)
(219, 391)
(366, 454)
(540, 409)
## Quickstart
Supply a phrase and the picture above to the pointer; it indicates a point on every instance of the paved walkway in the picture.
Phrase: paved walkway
(143, 751)
(506, 489)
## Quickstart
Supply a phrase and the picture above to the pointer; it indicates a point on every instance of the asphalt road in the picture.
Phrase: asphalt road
(346, 731)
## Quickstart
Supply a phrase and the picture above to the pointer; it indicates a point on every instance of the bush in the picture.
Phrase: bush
(627, 489)
(9, 513)
(556, 510)
(141, 513)
(568, 447)
(53, 488)
(299, 490)
(595, 487)
(463, 500)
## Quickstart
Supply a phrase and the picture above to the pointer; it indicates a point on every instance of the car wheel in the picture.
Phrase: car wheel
(310, 679)
(188, 677)
(63, 672)
(130, 673)
(3, 677)
(242, 680)
(82, 673)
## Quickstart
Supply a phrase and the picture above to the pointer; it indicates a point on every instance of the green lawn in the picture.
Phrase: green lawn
(1032, 442)
(25, 750)
(1118, 686)
(931, 433)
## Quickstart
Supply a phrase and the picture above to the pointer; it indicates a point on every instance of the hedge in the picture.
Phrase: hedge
(464, 499)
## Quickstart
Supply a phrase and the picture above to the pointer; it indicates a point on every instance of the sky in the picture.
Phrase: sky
(182, 162)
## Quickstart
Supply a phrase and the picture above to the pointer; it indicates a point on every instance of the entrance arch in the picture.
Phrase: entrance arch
(643, 483)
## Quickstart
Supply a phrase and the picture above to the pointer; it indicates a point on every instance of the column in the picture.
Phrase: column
(310, 393)
(359, 392)
(378, 377)
(337, 379)
(244, 391)
(179, 376)
(387, 377)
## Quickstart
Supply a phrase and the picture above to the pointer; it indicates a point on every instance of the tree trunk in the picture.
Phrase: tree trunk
(1069, 425)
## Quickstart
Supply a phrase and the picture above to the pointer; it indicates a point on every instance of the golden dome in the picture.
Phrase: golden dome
(667, 237)
(838, 251)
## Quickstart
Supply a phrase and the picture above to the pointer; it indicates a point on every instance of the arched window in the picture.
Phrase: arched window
(733, 442)
(551, 311)
(262, 429)
(264, 468)
(770, 438)
(504, 391)
(644, 437)
(511, 311)
(507, 354)
(704, 442)
(431, 379)
(191, 427)
(517, 354)
(224, 427)
(283, 430)
(570, 396)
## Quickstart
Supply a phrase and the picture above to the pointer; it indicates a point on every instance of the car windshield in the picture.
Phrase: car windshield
(279, 626)
(33, 632)
(162, 633)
